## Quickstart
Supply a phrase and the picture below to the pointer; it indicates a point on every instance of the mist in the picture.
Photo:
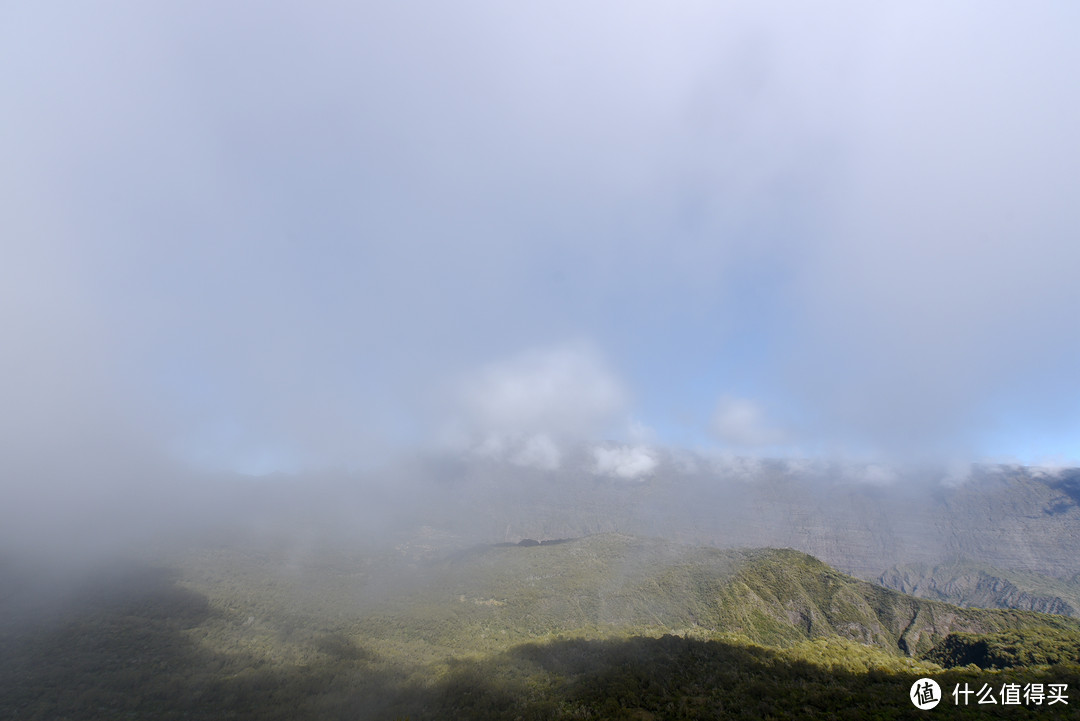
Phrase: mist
(333, 261)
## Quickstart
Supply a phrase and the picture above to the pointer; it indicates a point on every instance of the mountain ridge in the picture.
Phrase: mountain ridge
(773, 596)
(607, 626)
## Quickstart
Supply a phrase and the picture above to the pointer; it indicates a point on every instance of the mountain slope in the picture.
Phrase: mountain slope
(966, 583)
(861, 519)
(581, 629)
(614, 581)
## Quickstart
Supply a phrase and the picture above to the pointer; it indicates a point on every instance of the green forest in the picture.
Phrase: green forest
(607, 627)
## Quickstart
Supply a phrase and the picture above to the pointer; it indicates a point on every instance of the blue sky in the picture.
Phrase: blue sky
(314, 233)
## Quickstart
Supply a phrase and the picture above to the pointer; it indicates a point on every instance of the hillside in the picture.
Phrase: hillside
(608, 626)
(861, 519)
(966, 583)
(616, 581)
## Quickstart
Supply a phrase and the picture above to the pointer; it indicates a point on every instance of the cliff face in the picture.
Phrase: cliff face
(863, 520)
(965, 583)
(1008, 518)
(1011, 521)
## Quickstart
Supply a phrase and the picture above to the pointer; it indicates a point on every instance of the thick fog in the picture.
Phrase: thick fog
(340, 240)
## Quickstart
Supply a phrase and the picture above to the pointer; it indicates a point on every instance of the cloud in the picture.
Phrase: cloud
(741, 423)
(303, 225)
(946, 246)
(957, 474)
(559, 392)
(873, 474)
(626, 462)
(539, 452)
(535, 451)
(743, 468)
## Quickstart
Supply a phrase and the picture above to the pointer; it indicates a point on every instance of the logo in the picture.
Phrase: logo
(925, 694)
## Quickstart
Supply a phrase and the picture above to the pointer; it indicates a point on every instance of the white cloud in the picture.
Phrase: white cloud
(540, 452)
(1047, 470)
(875, 474)
(628, 462)
(801, 466)
(562, 392)
(741, 423)
(904, 186)
(534, 451)
(492, 445)
(956, 475)
(729, 465)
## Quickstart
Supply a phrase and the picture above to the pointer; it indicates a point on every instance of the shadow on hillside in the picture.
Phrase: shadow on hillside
(1069, 484)
(131, 644)
(135, 646)
(679, 678)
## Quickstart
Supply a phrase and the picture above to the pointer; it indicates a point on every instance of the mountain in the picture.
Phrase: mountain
(607, 626)
(966, 583)
(478, 588)
(772, 596)
(1017, 529)
(863, 519)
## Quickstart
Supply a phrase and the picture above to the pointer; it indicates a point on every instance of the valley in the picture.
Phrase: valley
(604, 626)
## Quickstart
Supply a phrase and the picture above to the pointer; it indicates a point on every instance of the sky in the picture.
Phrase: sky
(277, 236)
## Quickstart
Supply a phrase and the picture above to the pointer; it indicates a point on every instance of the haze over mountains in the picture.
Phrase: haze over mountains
(621, 583)
(989, 535)
(862, 518)
(610, 626)
(342, 291)
(485, 238)
(985, 535)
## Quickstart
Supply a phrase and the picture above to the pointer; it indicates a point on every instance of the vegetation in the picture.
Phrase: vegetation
(610, 627)
(1008, 649)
